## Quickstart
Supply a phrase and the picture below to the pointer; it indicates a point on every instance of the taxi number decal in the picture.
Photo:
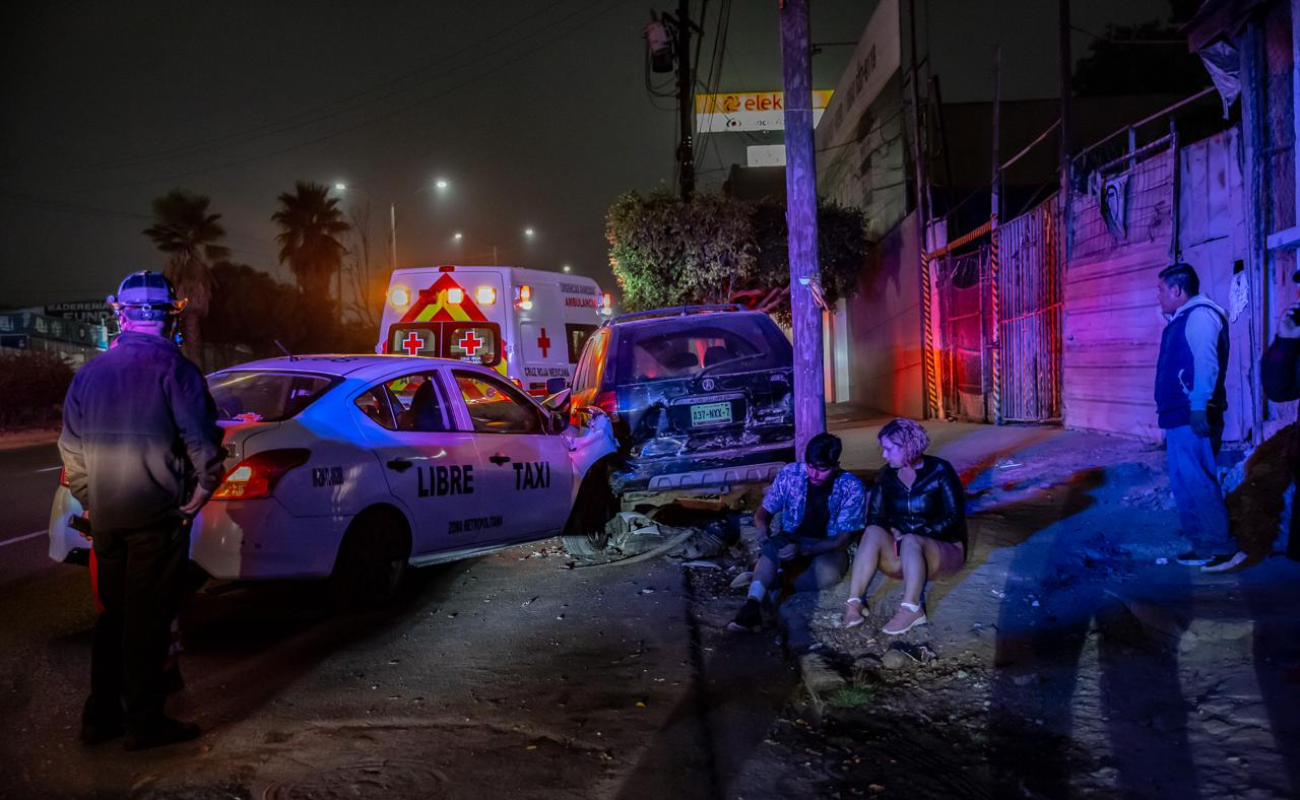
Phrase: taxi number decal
(532, 475)
(445, 480)
(326, 476)
(474, 524)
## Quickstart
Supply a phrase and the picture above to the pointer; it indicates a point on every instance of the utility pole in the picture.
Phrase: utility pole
(995, 261)
(1066, 61)
(392, 232)
(806, 300)
(685, 101)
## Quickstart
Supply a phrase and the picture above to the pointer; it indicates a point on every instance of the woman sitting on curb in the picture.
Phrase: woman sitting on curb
(916, 525)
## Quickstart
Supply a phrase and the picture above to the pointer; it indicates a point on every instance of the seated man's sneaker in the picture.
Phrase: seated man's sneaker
(1223, 563)
(1193, 559)
(749, 620)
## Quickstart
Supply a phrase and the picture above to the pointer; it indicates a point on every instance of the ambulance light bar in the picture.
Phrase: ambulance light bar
(485, 295)
(399, 297)
(455, 296)
(525, 297)
(606, 303)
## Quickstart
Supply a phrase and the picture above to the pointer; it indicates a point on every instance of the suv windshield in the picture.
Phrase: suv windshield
(265, 396)
(679, 347)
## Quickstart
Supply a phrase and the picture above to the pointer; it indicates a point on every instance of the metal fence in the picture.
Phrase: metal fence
(1029, 315)
(964, 283)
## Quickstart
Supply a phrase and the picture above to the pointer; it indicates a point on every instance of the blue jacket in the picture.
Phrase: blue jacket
(139, 432)
(1193, 364)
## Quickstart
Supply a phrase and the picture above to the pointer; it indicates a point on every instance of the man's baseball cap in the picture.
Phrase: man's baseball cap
(823, 451)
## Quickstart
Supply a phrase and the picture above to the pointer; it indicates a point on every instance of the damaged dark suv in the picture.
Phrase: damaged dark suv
(699, 396)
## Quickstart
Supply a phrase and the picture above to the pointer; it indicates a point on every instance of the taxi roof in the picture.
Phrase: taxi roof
(338, 363)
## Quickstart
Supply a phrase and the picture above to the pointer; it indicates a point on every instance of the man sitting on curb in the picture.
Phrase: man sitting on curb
(822, 511)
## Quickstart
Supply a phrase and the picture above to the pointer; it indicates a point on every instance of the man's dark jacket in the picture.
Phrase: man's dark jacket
(139, 432)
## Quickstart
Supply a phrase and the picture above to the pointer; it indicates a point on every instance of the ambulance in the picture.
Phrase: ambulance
(527, 324)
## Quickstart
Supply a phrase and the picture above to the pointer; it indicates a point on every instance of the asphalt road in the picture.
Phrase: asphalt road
(28, 479)
(513, 675)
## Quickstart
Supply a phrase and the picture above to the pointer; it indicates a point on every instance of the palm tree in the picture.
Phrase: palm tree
(310, 223)
(187, 233)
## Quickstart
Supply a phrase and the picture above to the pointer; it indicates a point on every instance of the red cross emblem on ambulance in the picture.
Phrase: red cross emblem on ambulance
(470, 343)
(413, 344)
(544, 343)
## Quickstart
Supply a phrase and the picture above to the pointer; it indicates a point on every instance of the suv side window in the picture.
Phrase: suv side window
(495, 406)
(592, 368)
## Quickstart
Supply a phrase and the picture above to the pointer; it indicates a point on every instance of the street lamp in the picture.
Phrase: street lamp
(458, 236)
(567, 268)
(529, 232)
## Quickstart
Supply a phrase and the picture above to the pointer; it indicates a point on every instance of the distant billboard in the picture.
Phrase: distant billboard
(750, 111)
(82, 311)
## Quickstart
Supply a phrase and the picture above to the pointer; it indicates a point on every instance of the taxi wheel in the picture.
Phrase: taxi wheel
(372, 562)
(585, 533)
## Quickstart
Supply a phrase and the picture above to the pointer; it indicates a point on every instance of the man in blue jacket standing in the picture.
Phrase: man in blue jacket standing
(142, 453)
(1190, 400)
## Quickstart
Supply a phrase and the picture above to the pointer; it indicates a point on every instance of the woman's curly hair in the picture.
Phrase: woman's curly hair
(908, 435)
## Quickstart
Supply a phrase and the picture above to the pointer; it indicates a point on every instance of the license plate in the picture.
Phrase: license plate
(710, 413)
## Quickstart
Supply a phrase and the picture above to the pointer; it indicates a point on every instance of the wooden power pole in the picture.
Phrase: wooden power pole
(801, 220)
(685, 101)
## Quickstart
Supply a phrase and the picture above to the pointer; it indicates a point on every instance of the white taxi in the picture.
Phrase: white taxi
(358, 467)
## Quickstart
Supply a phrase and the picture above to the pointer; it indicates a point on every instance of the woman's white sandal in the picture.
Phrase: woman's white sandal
(851, 603)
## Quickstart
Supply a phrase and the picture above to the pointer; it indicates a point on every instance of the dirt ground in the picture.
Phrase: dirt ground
(1071, 657)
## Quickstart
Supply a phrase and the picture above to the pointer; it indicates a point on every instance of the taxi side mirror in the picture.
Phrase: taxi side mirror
(559, 422)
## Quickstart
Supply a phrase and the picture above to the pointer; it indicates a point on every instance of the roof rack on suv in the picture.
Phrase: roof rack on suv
(677, 311)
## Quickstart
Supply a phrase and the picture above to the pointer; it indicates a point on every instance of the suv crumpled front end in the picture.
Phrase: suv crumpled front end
(710, 432)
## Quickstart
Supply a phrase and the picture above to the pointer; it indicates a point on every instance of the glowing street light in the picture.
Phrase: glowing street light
(441, 183)
(568, 268)
(342, 187)
(458, 236)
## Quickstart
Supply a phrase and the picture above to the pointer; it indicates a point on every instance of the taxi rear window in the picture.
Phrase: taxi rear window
(265, 396)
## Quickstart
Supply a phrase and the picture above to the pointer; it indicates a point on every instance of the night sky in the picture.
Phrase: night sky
(535, 111)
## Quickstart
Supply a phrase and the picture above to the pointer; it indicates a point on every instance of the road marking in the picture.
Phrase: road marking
(24, 538)
(50, 469)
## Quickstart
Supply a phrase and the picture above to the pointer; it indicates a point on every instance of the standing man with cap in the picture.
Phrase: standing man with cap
(822, 510)
(142, 452)
(1190, 401)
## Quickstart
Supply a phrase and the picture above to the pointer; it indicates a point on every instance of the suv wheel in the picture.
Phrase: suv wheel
(585, 533)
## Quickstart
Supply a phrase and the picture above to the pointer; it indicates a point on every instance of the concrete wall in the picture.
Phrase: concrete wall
(884, 327)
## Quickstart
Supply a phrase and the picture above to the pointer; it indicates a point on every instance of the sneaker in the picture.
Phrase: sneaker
(750, 618)
(908, 617)
(1193, 559)
(164, 732)
(1223, 563)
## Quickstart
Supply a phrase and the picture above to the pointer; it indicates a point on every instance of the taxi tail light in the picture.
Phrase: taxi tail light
(63, 477)
(257, 475)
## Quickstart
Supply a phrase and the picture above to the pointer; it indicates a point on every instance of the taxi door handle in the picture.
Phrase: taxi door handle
(498, 459)
(400, 464)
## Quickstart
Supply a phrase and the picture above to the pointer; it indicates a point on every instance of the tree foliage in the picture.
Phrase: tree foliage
(185, 230)
(310, 223)
(1147, 58)
(716, 249)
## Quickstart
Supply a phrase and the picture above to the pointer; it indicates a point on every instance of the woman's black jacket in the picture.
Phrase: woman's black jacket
(935, 506)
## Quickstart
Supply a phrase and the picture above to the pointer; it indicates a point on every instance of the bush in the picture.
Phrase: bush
(32, 386)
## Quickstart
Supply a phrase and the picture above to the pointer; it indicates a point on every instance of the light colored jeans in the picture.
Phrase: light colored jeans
(1194, 481)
